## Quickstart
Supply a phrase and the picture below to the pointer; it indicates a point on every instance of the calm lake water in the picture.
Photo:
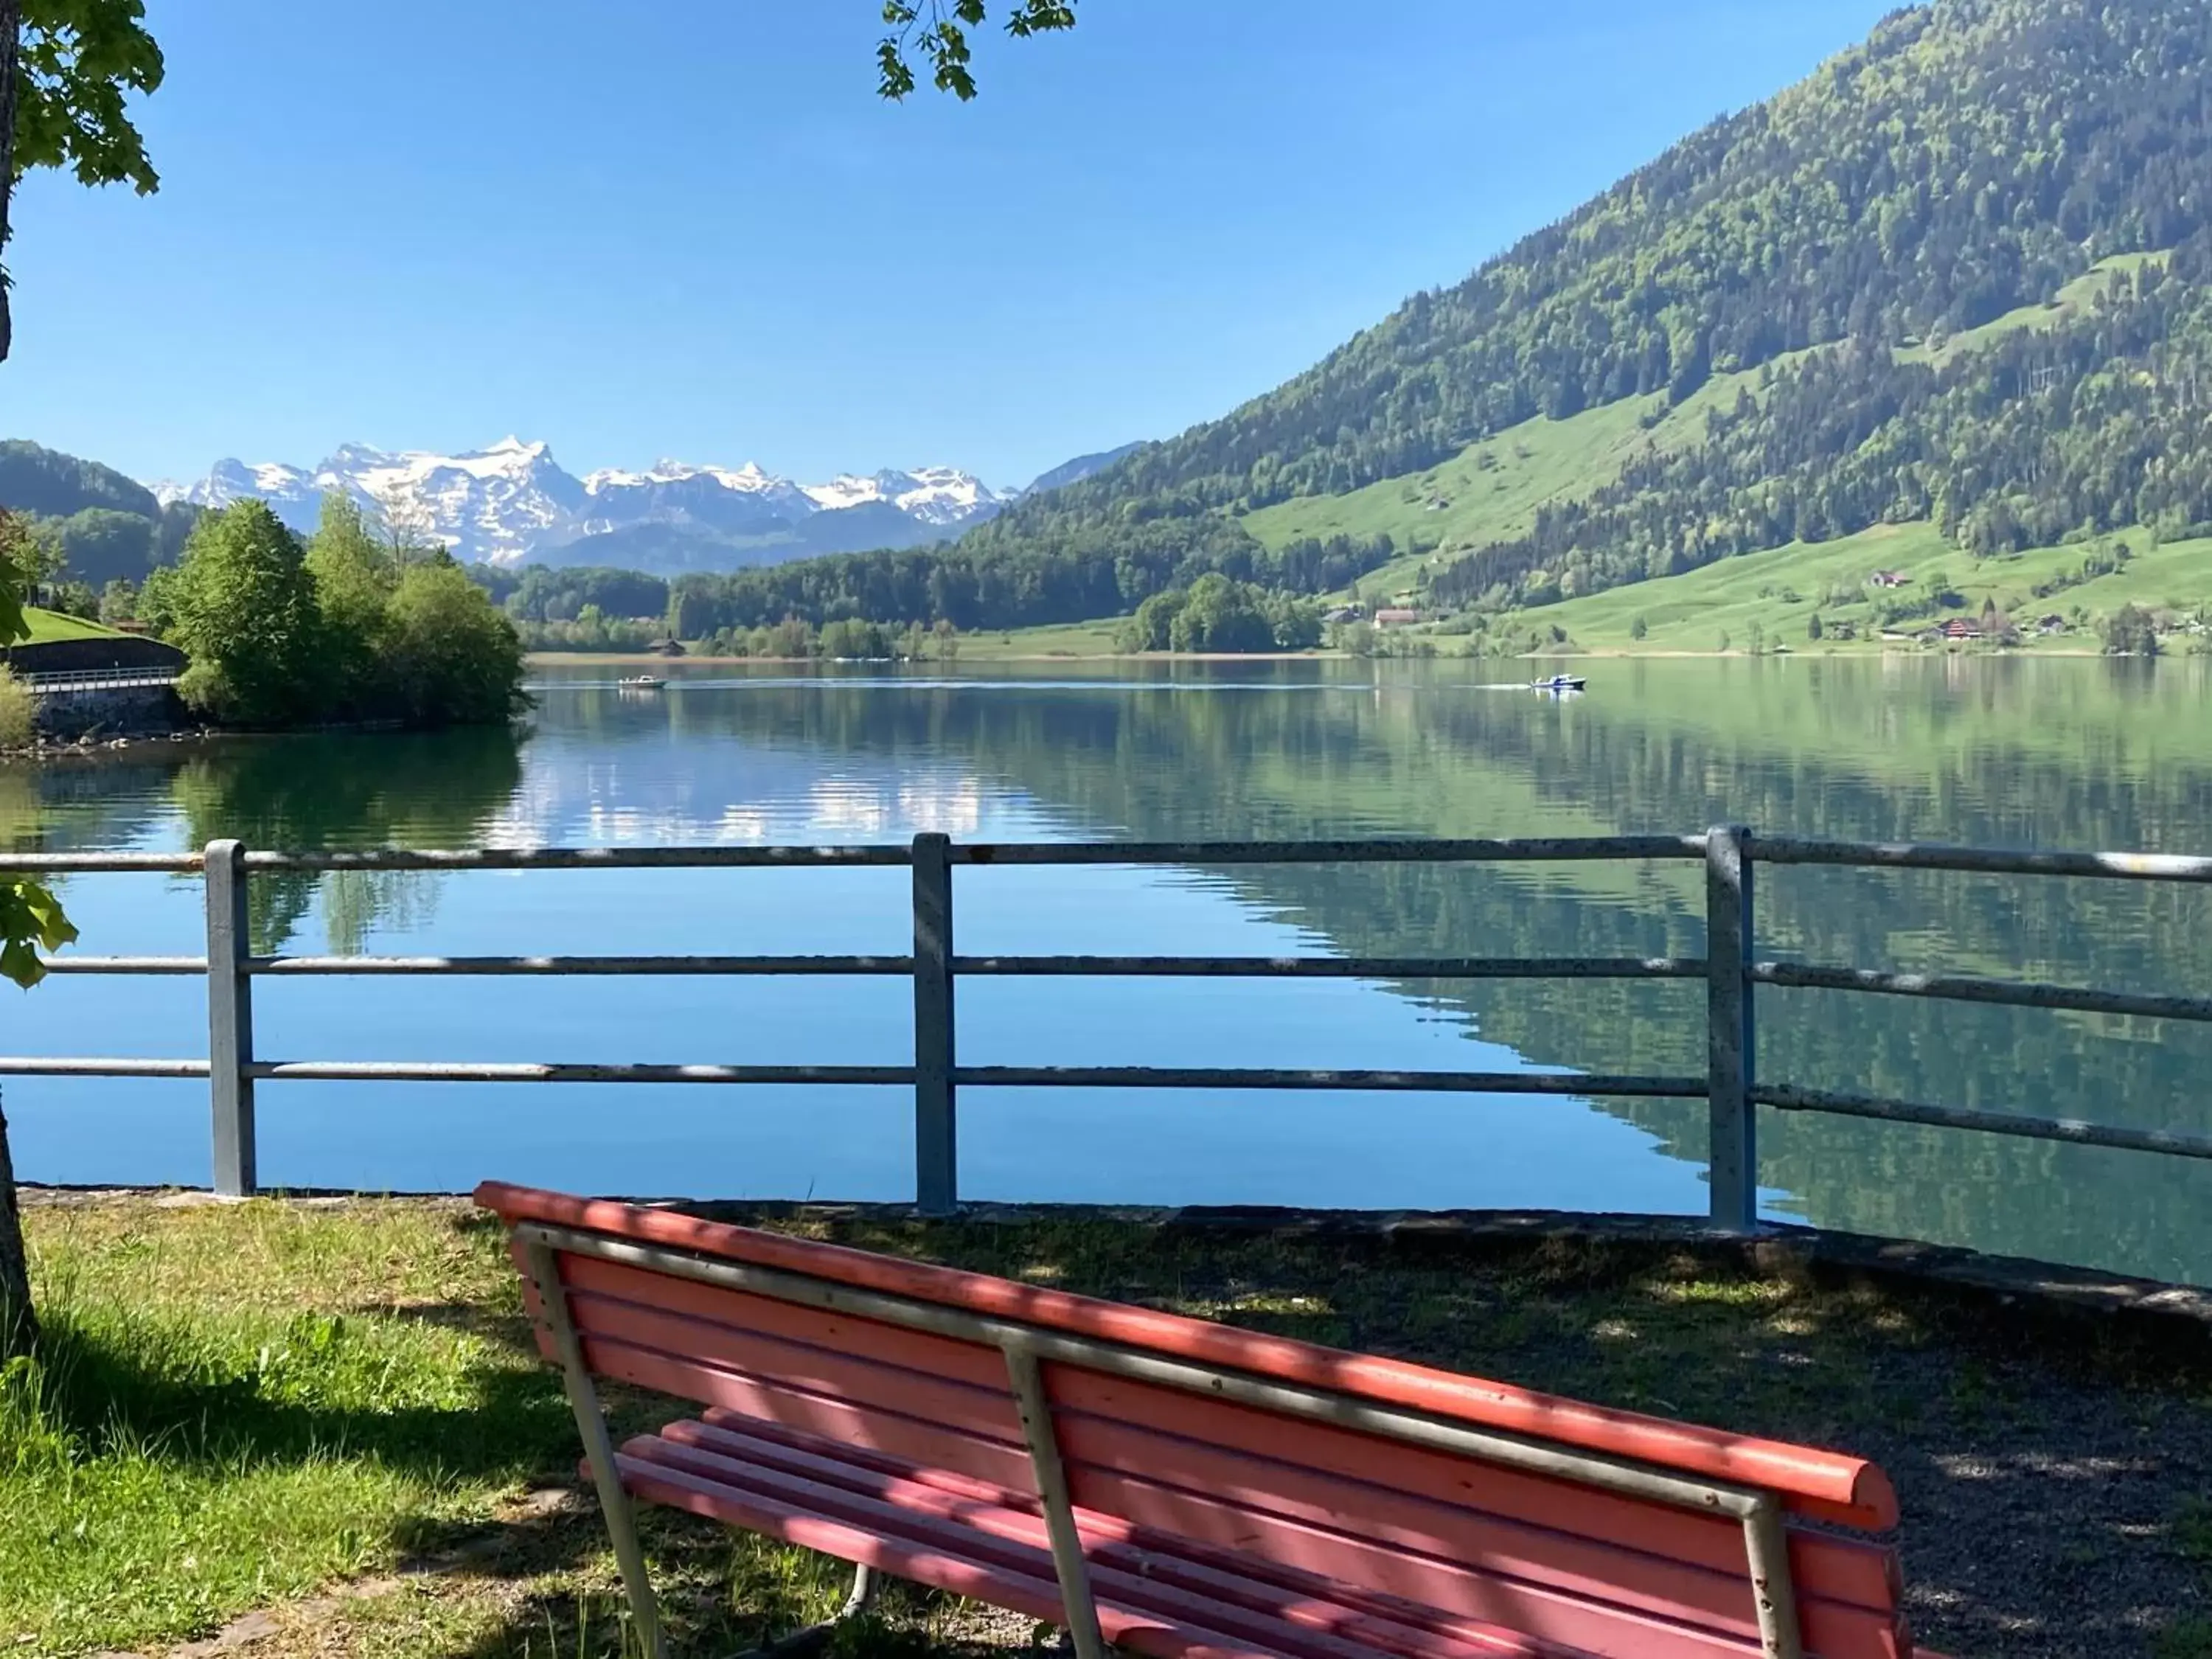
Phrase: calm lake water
(2074, 754)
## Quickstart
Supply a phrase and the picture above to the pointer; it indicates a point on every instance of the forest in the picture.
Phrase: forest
(977, 585)
(2046, 436)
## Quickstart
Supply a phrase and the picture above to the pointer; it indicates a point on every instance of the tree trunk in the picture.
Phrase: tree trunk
(11, 41)
(18, 1325)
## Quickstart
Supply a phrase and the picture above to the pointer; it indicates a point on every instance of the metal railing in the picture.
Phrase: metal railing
(1729, 971)
(100, 679)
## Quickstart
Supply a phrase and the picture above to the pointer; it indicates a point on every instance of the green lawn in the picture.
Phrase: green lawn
(50, 626)
(328, 1415)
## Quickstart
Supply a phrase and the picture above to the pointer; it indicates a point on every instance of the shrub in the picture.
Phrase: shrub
(18, 711)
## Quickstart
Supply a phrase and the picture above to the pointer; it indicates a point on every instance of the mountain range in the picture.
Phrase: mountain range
(1951, 293)
(512, 502)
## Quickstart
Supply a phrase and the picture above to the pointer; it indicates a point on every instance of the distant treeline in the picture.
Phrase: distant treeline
(984, 585)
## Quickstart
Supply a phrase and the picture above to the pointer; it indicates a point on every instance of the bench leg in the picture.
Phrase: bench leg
(599, 1449)
(1036, 1409)
(865, 1582)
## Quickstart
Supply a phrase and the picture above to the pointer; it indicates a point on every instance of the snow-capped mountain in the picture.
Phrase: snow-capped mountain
(513, 502)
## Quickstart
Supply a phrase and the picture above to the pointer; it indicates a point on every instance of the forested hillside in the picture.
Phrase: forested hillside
(1870, 254)
(101, 525)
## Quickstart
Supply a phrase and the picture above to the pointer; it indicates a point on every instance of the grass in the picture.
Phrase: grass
(1491, 491)
(48, 626)
(323, 1419)
(1088, 639)
(2064, 306)
(1772, 595)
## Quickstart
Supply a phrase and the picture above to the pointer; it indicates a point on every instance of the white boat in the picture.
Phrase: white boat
(1559, 683)
(641, 683)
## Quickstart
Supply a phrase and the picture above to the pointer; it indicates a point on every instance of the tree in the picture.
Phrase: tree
(1638, 628)
(454, 658)
(353, 578)
(247, 615)
(1813, 629)
(31, 920)
(66, 67)
(2130, 631)
(938, 33)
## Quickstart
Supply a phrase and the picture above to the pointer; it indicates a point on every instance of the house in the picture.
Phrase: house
(1889, 579)
(1396, 617)
(2053, 623)
(1962, 628)
(1344, 613)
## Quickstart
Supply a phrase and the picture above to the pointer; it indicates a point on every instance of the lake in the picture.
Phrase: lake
(2038, 753)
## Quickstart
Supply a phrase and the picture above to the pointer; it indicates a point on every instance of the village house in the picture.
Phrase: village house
(1397, 615)
(1889, 579)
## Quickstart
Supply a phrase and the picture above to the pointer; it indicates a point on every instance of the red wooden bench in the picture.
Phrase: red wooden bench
(1177, 1488)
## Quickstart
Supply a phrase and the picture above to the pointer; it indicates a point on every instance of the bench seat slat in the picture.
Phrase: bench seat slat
(922, 1512)
(1259, 1618)
(1346, 1568)
(1555, 1581)
(1112, 1424)
(1111, 1542)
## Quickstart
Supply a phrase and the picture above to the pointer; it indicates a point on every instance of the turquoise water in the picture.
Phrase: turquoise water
(2008, 753)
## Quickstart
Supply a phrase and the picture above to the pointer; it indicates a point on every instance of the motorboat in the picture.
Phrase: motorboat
(1559, 683)
(641, 683)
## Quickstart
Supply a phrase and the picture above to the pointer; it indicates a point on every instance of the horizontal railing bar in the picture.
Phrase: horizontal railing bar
(536, 965)
(74, 965)
(1787, 1099)
(1180, 1076)
(1336, 967)
(61, 864)
(2017, 993)
(1399, 850)
(468, 1070)
(73, 1066)
(585, 858)
(2138, 866)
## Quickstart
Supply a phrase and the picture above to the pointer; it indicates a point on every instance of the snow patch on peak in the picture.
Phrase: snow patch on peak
(512, 499)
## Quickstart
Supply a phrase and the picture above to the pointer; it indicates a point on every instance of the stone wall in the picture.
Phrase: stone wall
(123, 711)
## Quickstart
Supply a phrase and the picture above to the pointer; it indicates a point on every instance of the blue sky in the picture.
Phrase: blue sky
(689, 227)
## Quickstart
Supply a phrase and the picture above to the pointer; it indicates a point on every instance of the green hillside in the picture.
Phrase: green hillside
(51, 627)
(1767, 600)
(1959, 277)
(105, 526)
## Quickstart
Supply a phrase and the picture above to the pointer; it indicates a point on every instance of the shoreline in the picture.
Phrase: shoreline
(634, 659)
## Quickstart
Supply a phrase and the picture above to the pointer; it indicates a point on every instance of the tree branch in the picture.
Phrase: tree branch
(11, 44)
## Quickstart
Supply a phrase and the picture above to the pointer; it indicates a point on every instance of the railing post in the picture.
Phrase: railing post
(230, 1019)
(935, 1134)
(1733, 1156)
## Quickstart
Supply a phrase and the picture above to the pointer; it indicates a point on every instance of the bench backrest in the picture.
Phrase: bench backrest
(1407, 1527)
